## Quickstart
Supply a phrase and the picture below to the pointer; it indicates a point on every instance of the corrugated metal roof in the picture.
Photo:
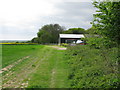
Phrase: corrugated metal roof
(71, 36)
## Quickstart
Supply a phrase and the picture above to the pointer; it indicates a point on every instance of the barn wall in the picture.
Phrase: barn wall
(64, 39)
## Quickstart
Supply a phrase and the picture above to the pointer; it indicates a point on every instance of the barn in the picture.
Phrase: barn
(69, 38)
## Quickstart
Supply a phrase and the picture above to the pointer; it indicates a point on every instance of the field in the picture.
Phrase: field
(33, 66)
(45, 66)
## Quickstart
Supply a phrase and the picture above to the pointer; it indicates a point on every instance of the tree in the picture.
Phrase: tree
(75, 31)
(107, 20)
(91, 30)
(34, 40)
(49, 33)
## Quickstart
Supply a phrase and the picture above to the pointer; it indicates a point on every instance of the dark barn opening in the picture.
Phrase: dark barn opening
(70, 38)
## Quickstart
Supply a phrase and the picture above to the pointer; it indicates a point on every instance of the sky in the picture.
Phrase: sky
(22, 19)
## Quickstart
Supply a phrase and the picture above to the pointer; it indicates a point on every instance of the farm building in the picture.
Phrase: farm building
(70, 38)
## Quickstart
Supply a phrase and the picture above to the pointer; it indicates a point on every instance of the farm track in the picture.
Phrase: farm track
(16, 78)
(59, 48)
(53, 78)
(7, 68)
(22, 74)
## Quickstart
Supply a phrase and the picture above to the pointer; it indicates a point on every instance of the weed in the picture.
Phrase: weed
(92, 68)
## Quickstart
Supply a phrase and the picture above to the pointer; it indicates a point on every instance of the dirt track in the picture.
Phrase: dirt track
(59, 48)
(41, 69)
(7, 68)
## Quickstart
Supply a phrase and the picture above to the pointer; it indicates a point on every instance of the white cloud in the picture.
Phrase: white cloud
(21, 19)
(19, 16)
(23, 11)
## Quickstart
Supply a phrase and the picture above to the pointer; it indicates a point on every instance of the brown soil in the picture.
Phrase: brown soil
(12, 65)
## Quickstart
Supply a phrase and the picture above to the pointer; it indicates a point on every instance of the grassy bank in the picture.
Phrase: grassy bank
(93, 68)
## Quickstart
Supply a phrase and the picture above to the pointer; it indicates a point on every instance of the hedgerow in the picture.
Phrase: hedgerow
(93, 68)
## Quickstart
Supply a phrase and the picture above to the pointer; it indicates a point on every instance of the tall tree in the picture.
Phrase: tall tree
(91, 30)
(107, 20)
(75, 31)
(34, 40)
(49, 33)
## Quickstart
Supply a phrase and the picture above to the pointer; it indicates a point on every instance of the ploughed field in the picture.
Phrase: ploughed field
(33, 66)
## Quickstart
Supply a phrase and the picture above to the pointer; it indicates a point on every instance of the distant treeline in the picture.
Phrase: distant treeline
(13, 41)
(18, 43)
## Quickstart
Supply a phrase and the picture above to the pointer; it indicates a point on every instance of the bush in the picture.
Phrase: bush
(100, 42)
(64, 44)
(93, 68)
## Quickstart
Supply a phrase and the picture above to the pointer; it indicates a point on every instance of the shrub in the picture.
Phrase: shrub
(93, 68)
(64, 44)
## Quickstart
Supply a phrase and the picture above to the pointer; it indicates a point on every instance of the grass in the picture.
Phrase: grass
(0, 56)
(46, 67)
(50, 73)
(0, 65)
(12, 53)
(93, 68)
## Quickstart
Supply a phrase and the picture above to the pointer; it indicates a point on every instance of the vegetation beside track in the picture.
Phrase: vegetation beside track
(93, 68)
(46, 67)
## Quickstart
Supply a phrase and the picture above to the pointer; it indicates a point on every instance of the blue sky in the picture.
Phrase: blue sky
(21, 19)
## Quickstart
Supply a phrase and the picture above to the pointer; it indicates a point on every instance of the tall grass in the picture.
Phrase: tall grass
(93, 68)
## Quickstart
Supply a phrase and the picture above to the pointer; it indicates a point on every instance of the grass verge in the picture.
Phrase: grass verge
(93, 68)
